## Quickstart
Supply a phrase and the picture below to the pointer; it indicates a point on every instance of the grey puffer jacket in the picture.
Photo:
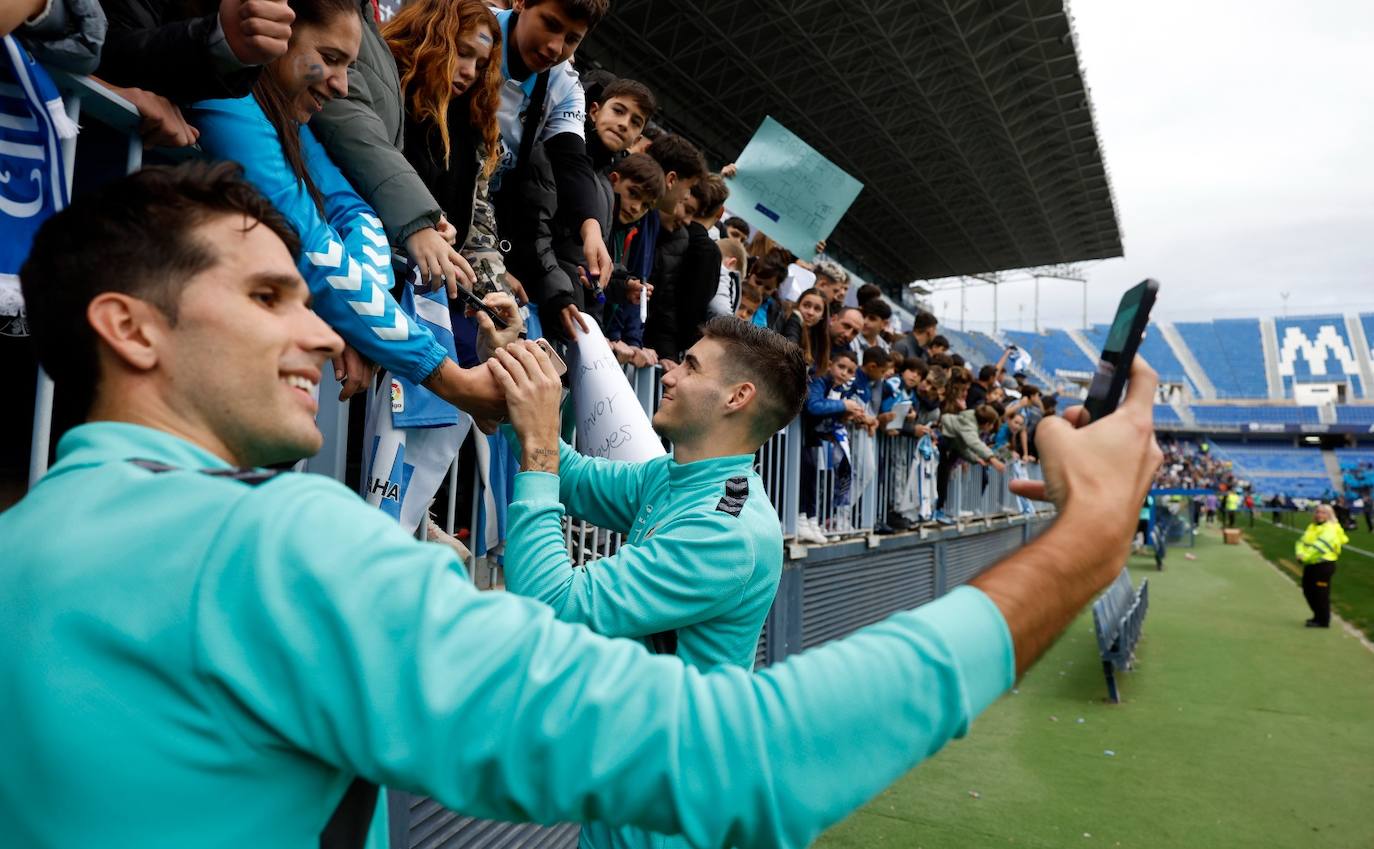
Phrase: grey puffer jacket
(69, 35)
(364, 134)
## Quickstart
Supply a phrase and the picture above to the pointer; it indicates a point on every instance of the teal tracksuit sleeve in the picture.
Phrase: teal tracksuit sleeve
(345, 259)
(686, 573)
(319, 625)
(604, 492)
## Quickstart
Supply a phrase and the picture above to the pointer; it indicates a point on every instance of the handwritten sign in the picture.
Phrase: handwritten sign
(788, 190)
(610, 422)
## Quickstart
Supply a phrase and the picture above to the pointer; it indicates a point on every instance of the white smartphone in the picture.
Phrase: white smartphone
(558, 364)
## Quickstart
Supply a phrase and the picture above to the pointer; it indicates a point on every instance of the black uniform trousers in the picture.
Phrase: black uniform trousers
(1316, 588)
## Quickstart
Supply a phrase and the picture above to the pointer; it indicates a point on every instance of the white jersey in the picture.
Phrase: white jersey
(565, 105)
(726, 299)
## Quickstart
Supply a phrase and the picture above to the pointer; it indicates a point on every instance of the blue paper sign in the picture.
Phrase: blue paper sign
(788, 190)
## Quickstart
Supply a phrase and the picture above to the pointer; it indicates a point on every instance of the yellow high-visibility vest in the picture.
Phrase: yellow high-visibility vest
(1321, 543)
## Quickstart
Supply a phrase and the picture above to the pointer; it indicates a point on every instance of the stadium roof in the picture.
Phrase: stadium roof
(969, 123)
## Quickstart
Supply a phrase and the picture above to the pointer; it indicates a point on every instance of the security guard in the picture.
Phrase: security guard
(1232, 506)
(194, 652)
(1318, 550)
(702, 550)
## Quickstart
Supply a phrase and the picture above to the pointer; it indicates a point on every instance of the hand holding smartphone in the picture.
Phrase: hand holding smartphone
(1123, 340)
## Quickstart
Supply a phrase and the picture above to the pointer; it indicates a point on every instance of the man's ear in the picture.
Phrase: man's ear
(669, 180)
(130, 327)
(740, 396)
(614, 178)
(592, 109)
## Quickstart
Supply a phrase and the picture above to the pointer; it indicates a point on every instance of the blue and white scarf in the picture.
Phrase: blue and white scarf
(33, 179)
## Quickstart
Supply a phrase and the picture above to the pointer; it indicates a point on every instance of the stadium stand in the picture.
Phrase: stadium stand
(1278, 469)
(1052, 350)
(1239, 415)
(1351, 415)
(1166, 415)
(1232, 354)
(973, 346)
(1153, 348)
(1354, 456)
(1316, 349)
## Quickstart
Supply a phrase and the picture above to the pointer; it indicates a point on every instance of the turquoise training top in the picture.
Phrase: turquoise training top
(702, 556)
(702, 552)
(188, 660)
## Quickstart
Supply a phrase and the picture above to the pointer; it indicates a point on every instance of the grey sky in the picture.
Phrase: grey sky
(1240, 137)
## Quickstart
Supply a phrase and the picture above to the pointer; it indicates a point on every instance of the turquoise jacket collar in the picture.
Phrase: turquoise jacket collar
(709, 471)
(94, 443)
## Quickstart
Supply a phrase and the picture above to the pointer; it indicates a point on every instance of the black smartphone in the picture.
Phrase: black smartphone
(1123, 340)
(476, 303)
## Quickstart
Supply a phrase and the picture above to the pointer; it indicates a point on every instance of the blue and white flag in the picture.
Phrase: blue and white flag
(412, 435)
(33, 180)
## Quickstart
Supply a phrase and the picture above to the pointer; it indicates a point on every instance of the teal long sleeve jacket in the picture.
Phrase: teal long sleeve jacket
(702, 555)
(702, 551)
(188, 660)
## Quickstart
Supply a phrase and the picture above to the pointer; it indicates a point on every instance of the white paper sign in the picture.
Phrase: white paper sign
(610, 422)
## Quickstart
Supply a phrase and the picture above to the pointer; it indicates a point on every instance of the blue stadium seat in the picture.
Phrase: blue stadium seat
(1238, 415)
(1316, 349)
(1355, 456)
(1278, 469)
(1052, 350)
(1153, 348)
(1231, 354)
(976, 348)
(1349, 415)
(1165, 415)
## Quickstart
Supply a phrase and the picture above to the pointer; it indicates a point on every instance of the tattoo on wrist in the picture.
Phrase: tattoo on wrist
(541, 460)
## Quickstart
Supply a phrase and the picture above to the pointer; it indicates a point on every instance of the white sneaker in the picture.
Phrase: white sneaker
(808, 531)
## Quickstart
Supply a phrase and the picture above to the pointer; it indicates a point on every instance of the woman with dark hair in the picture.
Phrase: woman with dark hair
(345, 257)
(806, 327)
(451, 90)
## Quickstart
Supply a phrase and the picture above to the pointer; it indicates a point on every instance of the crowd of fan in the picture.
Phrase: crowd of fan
(455, 147)
(1191, 465)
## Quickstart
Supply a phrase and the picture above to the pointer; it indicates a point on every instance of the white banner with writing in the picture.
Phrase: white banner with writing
(610, 421)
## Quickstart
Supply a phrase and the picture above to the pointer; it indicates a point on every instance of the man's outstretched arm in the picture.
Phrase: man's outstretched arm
(1097, 475)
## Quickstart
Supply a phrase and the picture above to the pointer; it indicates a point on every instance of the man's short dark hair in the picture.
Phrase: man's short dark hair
(868, 292)
(591, 11)
(986, 373)
(939, 342)
(135, 235)
(710, 193)
(923, 321)
(842, 354)
(643, 170)
(738, 223)
(876, 308)
(915, 364)
(631, 90)
(678, 155)
(876, 356)
(774, 364)
(770, 266)
(941, 360)
(957, 359)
